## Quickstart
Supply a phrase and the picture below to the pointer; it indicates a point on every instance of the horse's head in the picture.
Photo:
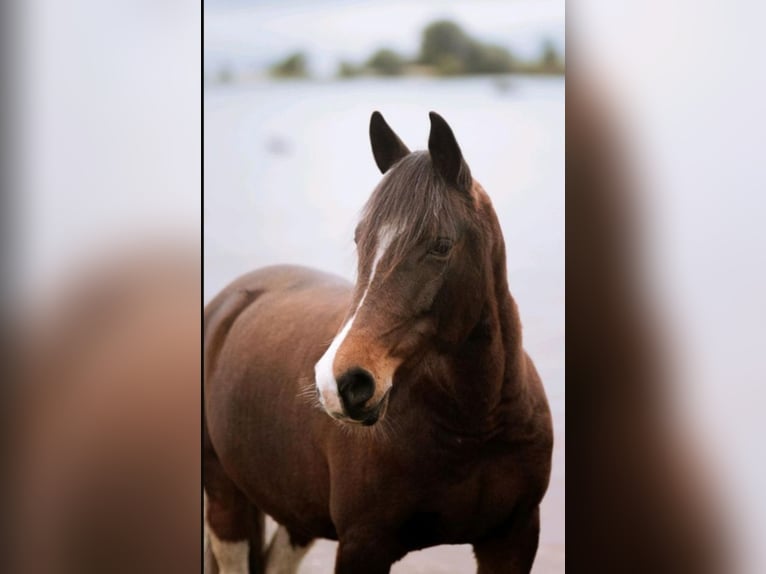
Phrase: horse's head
(424, 242)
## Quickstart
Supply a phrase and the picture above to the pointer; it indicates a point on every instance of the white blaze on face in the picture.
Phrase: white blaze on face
(323, 371)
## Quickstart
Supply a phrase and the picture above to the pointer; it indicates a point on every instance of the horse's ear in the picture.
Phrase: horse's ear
(386, 145)
(446, 156)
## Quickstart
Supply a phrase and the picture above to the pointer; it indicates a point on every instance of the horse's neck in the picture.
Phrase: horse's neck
(498, 356)
(483, 382)
(510, 334)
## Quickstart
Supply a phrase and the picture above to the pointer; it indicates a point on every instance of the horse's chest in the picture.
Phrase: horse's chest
(457, 505)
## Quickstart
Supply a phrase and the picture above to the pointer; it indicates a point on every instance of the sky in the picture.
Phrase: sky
(256, 33)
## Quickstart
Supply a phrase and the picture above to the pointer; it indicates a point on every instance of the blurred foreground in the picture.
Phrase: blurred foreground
(665, 283)
(102, 286)
(642, 492)
(105, 426)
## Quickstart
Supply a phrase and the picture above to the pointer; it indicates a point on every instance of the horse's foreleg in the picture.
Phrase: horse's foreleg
(365, 552)
(511, 550)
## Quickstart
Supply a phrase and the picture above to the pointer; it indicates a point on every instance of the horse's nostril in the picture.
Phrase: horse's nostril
(356, 387)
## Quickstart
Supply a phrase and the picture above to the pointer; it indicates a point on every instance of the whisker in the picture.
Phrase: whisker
(307, 393)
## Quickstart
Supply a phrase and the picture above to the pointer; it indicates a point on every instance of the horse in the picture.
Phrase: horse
(392, 415)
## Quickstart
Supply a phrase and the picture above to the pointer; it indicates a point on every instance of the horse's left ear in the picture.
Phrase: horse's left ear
(446, 156)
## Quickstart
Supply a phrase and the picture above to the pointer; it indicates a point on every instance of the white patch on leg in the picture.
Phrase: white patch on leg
(231, 557)
(282, 557)
(323, 371)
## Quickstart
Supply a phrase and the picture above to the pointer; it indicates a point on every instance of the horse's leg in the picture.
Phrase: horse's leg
(257, 561)
(233, 525)
(285, 552)
(209, 565)
(228, 538)
(512, 550)
(367, 552)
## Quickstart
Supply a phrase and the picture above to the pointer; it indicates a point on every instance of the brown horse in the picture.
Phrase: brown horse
(393, 415)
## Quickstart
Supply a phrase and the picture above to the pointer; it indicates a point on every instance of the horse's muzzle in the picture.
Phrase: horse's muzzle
(356, 387)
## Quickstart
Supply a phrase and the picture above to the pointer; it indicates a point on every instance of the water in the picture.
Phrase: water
(288, 168)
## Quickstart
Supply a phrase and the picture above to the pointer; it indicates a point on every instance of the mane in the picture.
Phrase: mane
(416, 201)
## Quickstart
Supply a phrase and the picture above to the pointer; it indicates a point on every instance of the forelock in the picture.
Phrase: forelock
(413, 199)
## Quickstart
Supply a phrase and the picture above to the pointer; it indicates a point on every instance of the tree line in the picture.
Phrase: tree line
(445, 50)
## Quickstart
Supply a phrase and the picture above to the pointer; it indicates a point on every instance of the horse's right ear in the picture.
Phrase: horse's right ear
(386, 145)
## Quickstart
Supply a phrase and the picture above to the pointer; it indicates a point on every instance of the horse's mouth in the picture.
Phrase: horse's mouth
(369, 417)
(378, 411)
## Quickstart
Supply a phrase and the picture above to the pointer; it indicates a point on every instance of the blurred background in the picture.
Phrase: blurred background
(666, 275)
(101, 297)
(108, 139)
(289, 88)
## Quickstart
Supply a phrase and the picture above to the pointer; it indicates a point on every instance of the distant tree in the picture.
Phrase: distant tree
(489, 59)
(550, 59)
(447, 50)
(225, 75)
(293, 66)
(444, 40)
(347, 70)
(451, 51)
(387, 63)
(450, 65)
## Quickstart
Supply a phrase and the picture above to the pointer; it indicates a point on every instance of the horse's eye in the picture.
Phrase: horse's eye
(441, 247)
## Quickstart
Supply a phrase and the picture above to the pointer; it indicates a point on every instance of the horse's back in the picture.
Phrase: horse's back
(275, 279)
(286, 288)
